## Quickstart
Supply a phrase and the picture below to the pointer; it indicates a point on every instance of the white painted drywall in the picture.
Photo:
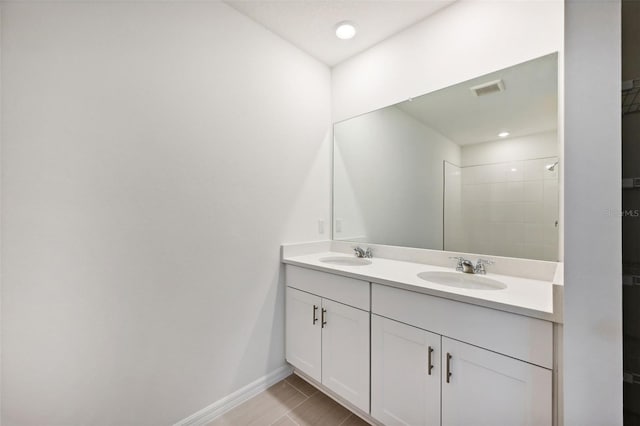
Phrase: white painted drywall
(154, 157)
(538, 145)
(463, 41)
(348, 218)
(592, 283)
(388, 186)
(455, 235)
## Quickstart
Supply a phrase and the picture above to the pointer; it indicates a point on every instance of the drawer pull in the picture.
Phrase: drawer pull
(315, 318)
(429, 364)
(324, 313)
(448, 366)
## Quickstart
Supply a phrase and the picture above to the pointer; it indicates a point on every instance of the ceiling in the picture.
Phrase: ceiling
(310, 24)
(528, 105)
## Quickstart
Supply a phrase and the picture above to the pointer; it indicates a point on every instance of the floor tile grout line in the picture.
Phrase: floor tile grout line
(289, 417)
(305, 399)
(308, 398)
(286, 414)
(345, 419)
(293, 386)
(302, 402)
(278, 419)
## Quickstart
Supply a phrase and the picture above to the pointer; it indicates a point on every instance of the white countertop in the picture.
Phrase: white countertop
(524, 296)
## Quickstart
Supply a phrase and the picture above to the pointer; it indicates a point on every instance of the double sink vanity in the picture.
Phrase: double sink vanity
(404, 339)
(393, 317)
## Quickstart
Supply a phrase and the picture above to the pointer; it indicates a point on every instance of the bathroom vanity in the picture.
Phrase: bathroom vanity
(402, 350)
(407, 337)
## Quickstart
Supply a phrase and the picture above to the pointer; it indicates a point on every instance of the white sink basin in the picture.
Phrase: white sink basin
(462, 280)
(346, 261)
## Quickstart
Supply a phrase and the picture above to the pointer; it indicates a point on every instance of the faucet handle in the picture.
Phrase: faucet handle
(369, 253)
(480, 264)
(460, 260)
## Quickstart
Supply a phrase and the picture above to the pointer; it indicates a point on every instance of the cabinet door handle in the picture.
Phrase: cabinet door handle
(315, 318)
(429, 364)
(324, 313)
(448, 366)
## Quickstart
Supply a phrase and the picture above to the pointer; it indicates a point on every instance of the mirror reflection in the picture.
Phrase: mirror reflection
(471, 168)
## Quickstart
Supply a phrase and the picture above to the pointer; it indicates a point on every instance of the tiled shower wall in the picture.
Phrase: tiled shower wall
(509, 209)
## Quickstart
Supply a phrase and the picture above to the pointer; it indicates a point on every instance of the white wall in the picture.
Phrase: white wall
(592, 286)
(455, 235)
(389, 179)
(465, 40)
(154, 157)
(538, 145)
(348, 218)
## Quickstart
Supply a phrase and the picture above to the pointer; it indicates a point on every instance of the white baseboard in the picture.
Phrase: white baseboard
(225, 404)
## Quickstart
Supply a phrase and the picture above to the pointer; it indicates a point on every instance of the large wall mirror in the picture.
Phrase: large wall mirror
(471, 168)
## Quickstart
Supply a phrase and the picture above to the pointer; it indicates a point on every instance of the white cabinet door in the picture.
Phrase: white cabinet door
(303, 332)
(405, 374)
(480, 387)
(345, 352)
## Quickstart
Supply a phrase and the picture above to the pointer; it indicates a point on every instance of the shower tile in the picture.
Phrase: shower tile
(514, 171)
(533, 191)
(514, 212)
(514, 233)
(533, 251)
(551, 235)
(499, 212)
(534, 169)
(498, 192)
(533, 234)
(534, 213)
(498, 173)
(515, 192)
(470, 175)
(550, 253)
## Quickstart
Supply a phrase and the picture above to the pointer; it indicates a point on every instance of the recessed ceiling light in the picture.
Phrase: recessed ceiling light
(503, 134)
(345, 30)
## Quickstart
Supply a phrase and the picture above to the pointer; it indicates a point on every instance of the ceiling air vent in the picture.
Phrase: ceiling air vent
(488, 88)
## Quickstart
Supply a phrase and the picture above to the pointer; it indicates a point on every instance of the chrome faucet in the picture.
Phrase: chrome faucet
(466, 266)
(363, 253)
(463, 265)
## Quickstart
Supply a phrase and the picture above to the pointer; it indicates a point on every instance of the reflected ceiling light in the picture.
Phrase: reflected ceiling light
(345, 30)
(503, 134)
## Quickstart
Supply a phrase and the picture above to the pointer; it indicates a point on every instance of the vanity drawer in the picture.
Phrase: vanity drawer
(335, 287)
(521, 337)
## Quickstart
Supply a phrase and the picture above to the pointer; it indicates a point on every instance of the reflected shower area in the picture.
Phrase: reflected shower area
(507, 208)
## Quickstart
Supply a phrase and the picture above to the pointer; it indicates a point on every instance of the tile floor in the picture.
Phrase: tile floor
(291, 402)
